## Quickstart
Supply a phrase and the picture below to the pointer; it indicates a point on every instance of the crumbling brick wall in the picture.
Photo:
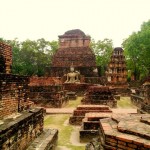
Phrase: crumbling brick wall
(121, 131)
(13, 94)
(100, 95)
(81, 110)
(18, 133)
(5, 58)
(47, 92)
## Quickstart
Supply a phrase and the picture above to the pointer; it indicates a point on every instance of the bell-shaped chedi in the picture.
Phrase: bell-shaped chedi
(74, 49)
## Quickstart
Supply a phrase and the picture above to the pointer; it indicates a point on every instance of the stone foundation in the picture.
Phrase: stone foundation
(126, 132)
(47, 92)
(100, 95)
(90, 125)
(19, 131)
(81, 110)
(74, 87)
(46, 141)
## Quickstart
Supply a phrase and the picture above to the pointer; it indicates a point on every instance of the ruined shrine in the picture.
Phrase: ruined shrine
(99, 95)
(20, 122)
(47, 92)
(122, 131)
(116, 71)
(141, 97)
(81, 110)
(130, 131)
(74, 49)
(90, 125)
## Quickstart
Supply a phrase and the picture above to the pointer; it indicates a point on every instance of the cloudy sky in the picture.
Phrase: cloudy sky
(34, 19)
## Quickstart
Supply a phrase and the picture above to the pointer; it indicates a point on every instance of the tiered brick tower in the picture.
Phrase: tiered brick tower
(117, 72)
(74, 49)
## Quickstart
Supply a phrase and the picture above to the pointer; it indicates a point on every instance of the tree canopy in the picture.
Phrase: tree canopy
(103, 50)
(31, 57)
(137, 50)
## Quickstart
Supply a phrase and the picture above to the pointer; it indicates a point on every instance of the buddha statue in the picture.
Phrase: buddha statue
(72, 76)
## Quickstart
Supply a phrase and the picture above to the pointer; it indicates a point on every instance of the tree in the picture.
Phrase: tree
(103, 50)
(31, 57)
(137, 51)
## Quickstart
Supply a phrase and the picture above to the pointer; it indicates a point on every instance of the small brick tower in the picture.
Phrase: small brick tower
(117, 72)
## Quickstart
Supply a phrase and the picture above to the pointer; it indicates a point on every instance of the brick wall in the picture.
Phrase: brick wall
(6, 58)
(100, 95)
(13, 94)
(126, 132)
(18, 133)
(47, 92)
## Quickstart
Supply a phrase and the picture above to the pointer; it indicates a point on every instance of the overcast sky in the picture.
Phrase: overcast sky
(34, 19)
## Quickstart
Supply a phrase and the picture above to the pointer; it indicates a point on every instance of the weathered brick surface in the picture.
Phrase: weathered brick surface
(117, 72)
(74, 48)
(90, 125)
(141, 97)
(133, 134)
(81, 110)
(13, 94)
(100, 95)
(47, 92)
(5, 58)
(17, 130)
(17, 133)
(46, 141)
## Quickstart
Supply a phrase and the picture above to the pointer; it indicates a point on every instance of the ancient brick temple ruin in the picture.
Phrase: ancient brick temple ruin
(117, 72)
(20, 122)
(81, 110)
(125, 132)
(47, 92)
(90, 125)
(141, 97)
(121, 131)
(74, 49)
(99, 95)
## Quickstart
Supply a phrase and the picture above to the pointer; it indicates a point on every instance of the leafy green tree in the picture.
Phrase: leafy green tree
(103, 50)
(137, 51)
(31, 57)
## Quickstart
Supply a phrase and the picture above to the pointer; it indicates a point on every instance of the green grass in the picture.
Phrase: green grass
(125, 102)
(58, 122)
(74, 103)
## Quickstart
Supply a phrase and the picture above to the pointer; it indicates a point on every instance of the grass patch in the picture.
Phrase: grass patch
(74, 103)
(125, 102)
(76, 147)
(59, 122)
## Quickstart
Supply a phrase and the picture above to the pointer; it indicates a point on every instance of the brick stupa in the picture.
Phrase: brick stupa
(117, 72)
(74, 49)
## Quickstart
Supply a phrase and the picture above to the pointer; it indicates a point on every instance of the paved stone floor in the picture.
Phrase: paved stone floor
(70, 110)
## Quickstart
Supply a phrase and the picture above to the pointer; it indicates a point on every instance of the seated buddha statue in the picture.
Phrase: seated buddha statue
(72, 76)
